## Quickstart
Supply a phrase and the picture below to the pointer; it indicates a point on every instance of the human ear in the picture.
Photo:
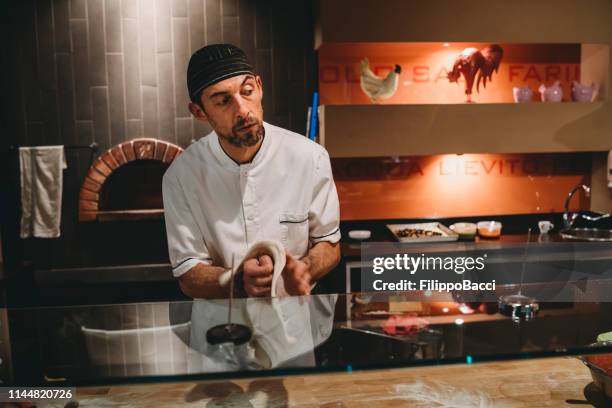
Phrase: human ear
(197, 112)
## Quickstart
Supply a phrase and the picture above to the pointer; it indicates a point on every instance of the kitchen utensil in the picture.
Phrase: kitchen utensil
(230, 332)
(600, 366)
(587, 234)
(466, 230)
(519, 307)
(584, 93)
(545, 226)
(522, 94)
(605, 337)
(360, 234)
(442, 233)
(553, 93)
(489, 229)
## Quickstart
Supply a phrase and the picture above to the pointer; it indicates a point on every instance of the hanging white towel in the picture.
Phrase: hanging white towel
(41, 190)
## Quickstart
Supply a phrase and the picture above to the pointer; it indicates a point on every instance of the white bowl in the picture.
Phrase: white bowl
(465, 229)
(360, 234)
(489, 229)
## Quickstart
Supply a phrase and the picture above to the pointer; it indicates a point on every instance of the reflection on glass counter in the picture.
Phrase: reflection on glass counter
(98, 344)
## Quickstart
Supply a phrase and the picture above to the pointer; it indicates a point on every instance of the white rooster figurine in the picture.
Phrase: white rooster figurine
(375, 87)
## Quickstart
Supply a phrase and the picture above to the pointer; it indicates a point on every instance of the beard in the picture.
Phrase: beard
(251, 137)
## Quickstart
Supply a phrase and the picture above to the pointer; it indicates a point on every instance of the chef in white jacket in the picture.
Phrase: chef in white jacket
(245, 182)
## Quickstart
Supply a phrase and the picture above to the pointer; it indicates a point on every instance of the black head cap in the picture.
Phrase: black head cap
(212, 64)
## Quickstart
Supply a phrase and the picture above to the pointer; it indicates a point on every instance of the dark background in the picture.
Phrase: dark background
(77, 71)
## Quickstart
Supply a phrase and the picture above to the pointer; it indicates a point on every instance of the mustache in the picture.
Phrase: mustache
(243, 123)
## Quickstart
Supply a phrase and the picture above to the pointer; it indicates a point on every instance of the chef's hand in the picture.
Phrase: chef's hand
(257, 276)
(296, 277)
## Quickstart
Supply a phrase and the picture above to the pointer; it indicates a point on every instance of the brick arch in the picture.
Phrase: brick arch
(111, 160)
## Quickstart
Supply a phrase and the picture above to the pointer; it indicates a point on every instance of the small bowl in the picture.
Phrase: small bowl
(466, 230)
(601, 375)
(489, 229)
(360, 235)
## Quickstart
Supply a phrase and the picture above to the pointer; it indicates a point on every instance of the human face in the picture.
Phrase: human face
(233, 109)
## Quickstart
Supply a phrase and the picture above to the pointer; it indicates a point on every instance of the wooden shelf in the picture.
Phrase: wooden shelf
(542, 21)
(399, 130)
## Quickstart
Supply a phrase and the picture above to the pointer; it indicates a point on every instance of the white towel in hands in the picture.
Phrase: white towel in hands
(281, 324)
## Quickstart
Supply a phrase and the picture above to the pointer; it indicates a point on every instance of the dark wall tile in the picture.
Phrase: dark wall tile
(150, 113)
(246, 8)
(264, 68)
(84, 133)
(179, 8)
(61, 17)
(99, 99)
(282, 28)
(247, 35)
(230, 8)
(263, 26)
(29, 62)
(296, 66)
(97, 62)
(129, 8)
(12, 82)
(281, 80)
(181, 58)
(184, 131)
(213, 22)
(166, 98)
(231, 30)
(132, 68)
(133, 129)
(116, 98)
(163, 29)
(50, 114)
(78, 8)
(65, 105)
(199, 130)
(80, 61)
(46, 45)
(65, 98)
(112, 21)
(247, 28)
(35, 134)
(146, 24)
(197, 36)
(297, 107)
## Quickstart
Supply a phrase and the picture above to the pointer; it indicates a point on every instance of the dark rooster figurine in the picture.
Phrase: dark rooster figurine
(471, 62)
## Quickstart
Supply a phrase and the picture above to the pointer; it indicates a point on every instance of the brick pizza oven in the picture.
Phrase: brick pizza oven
(124, 183)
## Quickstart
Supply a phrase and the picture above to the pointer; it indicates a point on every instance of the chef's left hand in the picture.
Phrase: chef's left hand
(296, 277)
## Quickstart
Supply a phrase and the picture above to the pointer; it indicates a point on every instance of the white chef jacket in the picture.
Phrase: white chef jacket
(215, 208)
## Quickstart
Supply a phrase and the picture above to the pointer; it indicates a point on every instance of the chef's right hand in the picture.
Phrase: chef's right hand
(257, 276)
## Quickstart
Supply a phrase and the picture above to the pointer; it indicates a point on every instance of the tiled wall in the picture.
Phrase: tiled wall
(113, 70)
(77, 71)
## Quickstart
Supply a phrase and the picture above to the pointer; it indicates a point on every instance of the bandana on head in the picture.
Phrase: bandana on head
(212, 64)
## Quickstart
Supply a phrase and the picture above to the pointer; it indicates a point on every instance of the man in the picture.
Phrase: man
(245, 182)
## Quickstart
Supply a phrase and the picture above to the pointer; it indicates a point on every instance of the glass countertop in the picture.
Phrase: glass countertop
(166, 341)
